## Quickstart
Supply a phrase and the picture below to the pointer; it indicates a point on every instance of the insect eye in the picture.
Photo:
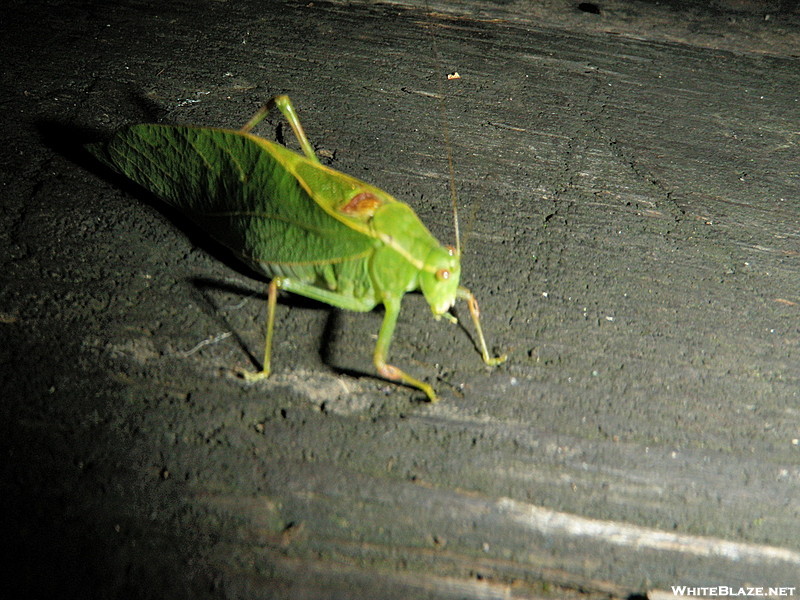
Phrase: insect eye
(451, 251)
(442, 274)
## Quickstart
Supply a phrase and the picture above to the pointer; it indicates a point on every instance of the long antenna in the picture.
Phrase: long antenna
(446, 134)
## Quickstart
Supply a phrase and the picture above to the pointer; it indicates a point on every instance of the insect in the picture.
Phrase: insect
(311, 230)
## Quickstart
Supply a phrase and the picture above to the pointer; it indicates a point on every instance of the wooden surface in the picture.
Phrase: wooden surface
(631, 203)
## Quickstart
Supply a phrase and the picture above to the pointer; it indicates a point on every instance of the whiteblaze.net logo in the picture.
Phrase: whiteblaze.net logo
(728, 591)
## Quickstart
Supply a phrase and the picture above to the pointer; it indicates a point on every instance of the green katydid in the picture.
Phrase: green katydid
(310, 229)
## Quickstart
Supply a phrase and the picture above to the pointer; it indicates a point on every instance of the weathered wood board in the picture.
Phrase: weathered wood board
(631, 206)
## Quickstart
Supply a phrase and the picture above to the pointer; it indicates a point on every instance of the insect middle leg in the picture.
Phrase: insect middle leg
(392, 310)
(308, 291)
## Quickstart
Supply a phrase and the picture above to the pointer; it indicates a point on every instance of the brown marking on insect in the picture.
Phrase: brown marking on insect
(362, 205)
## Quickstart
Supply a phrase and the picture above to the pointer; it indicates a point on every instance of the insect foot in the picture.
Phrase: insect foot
(496, 360)
(392, 373)
(251, 376)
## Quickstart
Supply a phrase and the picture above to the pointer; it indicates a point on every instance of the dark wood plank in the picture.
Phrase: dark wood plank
(630, 213)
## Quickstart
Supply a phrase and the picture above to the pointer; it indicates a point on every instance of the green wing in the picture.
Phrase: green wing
(242, 190)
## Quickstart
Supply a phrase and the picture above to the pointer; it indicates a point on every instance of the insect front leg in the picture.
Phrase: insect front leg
(475, 313)
(392, 310)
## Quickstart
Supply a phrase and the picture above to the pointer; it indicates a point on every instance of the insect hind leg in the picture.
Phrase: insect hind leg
(283, 104)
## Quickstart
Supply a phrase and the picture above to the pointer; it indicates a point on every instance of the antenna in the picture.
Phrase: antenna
(445, 134)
